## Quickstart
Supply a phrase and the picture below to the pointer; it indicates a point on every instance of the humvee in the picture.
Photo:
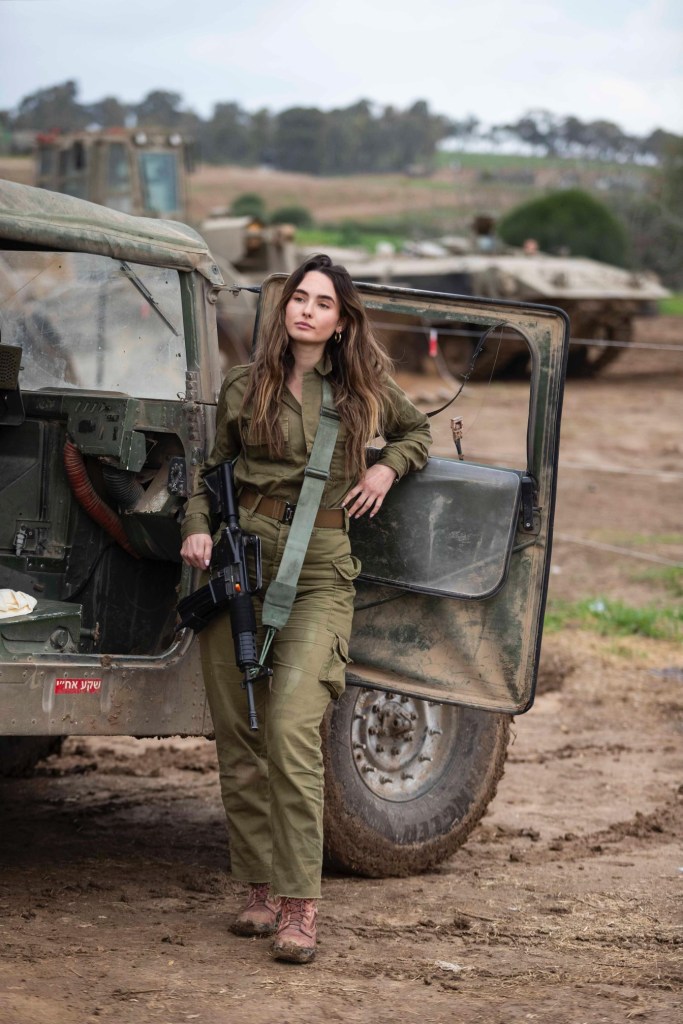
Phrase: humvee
(109, 375)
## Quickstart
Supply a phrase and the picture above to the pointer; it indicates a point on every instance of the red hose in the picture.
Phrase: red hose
(88, 499)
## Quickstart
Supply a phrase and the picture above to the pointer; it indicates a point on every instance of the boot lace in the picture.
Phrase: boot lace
(257, 894)
(296, 911)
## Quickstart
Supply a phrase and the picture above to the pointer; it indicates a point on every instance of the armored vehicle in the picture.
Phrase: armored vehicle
(109, 374)
(601, 301)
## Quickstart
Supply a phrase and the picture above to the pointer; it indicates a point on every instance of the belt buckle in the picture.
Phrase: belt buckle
(288, 513)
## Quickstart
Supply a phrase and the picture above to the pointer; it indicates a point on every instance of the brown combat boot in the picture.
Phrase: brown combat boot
(296, 933)
(260, 914)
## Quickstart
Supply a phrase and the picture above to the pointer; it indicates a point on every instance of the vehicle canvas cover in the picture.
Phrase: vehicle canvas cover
(64, 222)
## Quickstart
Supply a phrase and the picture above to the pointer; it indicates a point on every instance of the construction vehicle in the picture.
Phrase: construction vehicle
(143, 172)
(109, 376)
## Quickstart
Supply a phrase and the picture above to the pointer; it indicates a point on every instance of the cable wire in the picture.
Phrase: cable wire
(567, 538)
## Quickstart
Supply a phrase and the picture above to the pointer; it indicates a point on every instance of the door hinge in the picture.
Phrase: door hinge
(528, 498)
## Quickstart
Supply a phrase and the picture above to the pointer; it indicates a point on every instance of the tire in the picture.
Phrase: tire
(457, 355)
(589, 360)
(406, 780)
(20, 754)
(509, 360)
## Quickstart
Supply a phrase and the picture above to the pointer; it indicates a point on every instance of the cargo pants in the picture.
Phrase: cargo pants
(272, 780)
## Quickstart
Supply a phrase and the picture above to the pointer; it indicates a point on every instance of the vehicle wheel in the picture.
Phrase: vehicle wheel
(506, 355)
(457, 355)
(588, 360)
(406, 780)
(20, 754)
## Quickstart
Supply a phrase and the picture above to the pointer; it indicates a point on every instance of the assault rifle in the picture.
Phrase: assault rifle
(230, 585)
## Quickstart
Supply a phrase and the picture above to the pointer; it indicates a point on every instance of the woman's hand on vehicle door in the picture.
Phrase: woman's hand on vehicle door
(369, 493)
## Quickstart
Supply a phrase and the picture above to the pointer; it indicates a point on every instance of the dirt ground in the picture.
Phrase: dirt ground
(564, 905)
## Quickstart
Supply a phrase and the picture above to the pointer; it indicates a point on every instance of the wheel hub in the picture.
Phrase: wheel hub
(400, 744)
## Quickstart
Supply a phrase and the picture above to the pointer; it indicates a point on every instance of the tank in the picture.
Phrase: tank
(601, 300)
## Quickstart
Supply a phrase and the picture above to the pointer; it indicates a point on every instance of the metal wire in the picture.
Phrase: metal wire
(453, 332)
(567, 538)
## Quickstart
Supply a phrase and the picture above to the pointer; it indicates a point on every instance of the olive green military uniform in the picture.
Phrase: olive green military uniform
(272, 780)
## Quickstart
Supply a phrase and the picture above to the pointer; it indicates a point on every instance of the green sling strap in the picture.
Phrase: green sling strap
(280, 595)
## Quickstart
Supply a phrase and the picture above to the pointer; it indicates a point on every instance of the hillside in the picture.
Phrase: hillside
(441, 203)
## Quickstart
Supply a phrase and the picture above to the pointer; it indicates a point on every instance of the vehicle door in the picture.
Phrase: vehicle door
(452, 592)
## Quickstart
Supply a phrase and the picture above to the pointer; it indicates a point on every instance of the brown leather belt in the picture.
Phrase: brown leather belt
(275, 508)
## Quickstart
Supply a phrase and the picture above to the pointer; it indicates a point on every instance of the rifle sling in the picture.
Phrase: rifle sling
(280, 595)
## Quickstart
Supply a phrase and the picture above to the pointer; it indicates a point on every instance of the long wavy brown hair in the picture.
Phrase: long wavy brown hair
(359, 370)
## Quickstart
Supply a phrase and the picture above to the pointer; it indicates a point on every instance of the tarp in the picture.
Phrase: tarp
(49, 220)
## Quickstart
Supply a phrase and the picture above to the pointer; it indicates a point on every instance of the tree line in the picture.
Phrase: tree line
(361, 138)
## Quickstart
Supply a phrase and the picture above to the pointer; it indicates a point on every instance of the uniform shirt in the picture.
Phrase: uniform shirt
(406, 431)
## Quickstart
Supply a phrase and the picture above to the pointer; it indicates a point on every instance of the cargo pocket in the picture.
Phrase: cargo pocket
(348, 567)
(333, 671)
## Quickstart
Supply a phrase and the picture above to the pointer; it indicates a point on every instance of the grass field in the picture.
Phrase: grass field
(615, 618)
(512, 161)
(673, 306)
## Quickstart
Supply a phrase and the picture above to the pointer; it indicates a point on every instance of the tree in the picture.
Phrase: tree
(53, 108)
(299, 216)
(346, 134)
(538, 128)
(299, 143)
(420, 131)
(569, 220)
(655, 236)
(672, 176)
(658, 143)
(261, 137)
(655, 222)
(227, 135)
(249, 204)
(108, 113)
(604, 140)
(159, 109)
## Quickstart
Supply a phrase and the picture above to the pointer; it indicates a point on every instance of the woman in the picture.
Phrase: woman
(268, 413)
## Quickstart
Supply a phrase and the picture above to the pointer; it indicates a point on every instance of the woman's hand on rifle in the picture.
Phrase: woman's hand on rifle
(196, 550)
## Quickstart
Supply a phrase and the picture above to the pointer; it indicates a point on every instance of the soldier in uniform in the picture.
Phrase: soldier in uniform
(268, 413)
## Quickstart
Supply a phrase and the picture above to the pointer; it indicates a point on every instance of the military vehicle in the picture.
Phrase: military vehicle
(145, 172)
(601, 301)
(109, 375)
(142, 172)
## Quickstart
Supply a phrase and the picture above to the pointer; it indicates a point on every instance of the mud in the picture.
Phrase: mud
(564, 905)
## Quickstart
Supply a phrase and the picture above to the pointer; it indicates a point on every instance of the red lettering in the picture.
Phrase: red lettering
(78, 685)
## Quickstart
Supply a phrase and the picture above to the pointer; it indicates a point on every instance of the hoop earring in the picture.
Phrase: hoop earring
(337, 337)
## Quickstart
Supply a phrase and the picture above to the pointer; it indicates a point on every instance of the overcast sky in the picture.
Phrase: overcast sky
(621, 60)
